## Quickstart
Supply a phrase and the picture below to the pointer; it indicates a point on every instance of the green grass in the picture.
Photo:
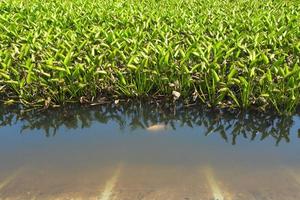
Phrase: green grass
(225, 53)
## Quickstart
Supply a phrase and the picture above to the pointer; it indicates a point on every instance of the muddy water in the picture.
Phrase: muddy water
(144, 151)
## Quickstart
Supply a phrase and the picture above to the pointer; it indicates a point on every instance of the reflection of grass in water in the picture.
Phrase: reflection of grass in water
(9, 179)
(141, 115)
(110, 184)
(214, 186)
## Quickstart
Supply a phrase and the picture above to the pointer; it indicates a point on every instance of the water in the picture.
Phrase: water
(146, 151)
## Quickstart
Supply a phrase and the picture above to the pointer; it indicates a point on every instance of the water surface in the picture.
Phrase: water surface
(148, 151)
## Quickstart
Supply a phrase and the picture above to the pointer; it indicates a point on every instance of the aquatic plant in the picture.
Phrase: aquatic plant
(224, 53)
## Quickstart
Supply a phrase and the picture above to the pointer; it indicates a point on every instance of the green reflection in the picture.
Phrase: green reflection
(229, 125)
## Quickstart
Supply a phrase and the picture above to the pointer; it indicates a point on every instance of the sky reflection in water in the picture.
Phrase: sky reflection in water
(164, 151)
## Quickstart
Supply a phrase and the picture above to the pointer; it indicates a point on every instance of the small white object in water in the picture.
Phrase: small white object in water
(157, 127)
(117, 101)
(176, 95)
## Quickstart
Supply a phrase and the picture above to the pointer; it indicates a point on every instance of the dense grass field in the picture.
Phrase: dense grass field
(224, 53)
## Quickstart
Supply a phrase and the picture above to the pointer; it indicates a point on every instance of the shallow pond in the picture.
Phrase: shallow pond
(146, 151)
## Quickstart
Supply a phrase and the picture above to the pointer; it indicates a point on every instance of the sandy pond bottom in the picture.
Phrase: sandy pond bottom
(150, 182)
(109, 161)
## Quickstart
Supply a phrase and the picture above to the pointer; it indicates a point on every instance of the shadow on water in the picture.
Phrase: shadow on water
(229, 125)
